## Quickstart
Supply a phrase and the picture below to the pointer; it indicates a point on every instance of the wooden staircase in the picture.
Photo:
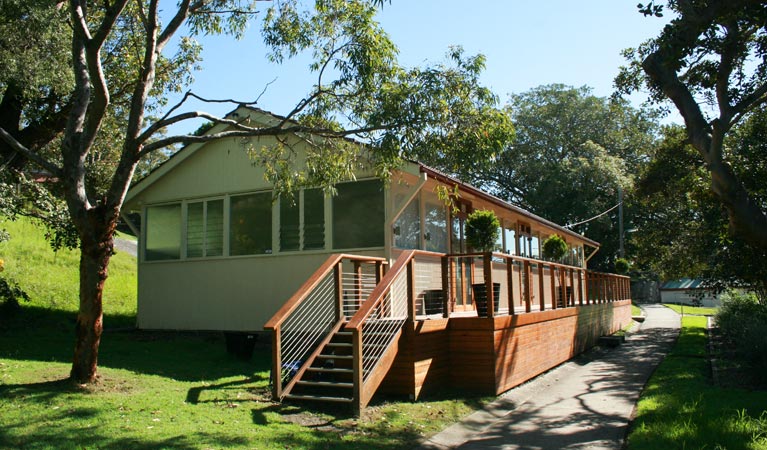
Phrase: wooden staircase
(329, 376)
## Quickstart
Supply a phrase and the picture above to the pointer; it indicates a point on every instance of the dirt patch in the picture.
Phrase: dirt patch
(309, 420)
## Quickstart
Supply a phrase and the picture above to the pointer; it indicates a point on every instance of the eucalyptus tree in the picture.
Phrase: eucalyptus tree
(120, 69)
(710, 61)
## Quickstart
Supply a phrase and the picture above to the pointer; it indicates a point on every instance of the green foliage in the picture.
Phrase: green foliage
(482, 230)
(622, 265)
(743, 321)
(572, 152)
(10, 294)
(684, 232)
(554, 248)
(680, 408)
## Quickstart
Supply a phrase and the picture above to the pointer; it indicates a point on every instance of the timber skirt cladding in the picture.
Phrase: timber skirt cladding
(493, 355)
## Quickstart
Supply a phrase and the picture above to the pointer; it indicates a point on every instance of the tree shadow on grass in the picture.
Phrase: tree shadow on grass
(40, 334)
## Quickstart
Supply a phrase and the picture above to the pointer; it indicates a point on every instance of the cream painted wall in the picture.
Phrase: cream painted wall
(237, 294)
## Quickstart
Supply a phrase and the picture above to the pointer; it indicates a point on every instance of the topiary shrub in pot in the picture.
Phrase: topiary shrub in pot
(554, 248)
(482, 231)
(622, 265)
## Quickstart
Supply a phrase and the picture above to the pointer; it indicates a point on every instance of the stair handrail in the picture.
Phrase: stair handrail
(318, 279)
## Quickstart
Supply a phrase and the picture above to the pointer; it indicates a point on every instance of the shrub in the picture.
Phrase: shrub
(622, 265)
(482, 230)
(742, 320)
(554, 247)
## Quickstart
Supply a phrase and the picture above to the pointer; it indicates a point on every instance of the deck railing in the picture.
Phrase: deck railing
(333, 293)
(527, 284)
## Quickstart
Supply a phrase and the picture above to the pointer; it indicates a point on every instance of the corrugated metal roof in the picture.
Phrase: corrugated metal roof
(683, 283)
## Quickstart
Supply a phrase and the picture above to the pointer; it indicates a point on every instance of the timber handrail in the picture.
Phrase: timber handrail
(284, 312)
(378, 294)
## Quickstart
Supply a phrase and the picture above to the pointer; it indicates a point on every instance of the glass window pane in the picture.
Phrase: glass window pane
(536, 248)
(214, 228)
(407, 228)
(314, 219)
(358, 215)
(163, 232)
(457, 244)
(510, 237)
(250, 224)
(194, 229)
(435, 216)
(290, 232)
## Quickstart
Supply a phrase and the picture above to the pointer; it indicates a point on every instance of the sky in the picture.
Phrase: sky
(526, 43)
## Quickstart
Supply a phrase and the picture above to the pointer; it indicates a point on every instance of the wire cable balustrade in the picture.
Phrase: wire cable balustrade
(315, 310)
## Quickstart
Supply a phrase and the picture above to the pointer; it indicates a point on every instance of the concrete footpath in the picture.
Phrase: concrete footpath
(585, 403)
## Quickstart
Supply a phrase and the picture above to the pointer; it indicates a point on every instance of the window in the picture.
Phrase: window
(290, 223)
(435, 218)
(163, 232)
(314, 219)
(309, 205)
(358, 215)
(535, 247)
(509, 237)
(407, 228)
(205, 228)
(250, 226)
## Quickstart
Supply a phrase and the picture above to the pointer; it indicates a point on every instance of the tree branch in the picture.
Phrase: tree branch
(30, 155)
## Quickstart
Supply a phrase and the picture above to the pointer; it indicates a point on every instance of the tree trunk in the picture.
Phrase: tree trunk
(95, 252)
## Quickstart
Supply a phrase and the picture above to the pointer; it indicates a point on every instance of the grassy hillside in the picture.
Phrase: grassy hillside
(51, 278)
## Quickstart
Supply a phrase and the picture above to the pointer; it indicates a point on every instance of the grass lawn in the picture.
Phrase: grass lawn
(679, 407)
(692, 310)
(161, 390)
(635, 310)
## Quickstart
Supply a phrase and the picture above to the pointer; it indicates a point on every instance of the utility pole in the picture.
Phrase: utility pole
(621, 251)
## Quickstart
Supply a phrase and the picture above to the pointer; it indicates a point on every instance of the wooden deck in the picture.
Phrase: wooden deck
(493, 355)
(413, 328)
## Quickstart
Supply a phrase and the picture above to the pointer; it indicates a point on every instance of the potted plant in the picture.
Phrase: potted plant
(482, 231)
(622, 266)
(554, 248)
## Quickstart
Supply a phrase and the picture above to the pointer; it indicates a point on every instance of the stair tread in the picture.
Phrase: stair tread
(335, 356)
(325, 383)
(319, 398)
(329, 370)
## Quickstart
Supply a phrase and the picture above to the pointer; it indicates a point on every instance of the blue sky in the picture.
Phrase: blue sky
(527, 44)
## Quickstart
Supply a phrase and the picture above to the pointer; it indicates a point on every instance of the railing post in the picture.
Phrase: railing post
(541, 289)
(338, 280)
(526, 291)
(357, 370)
(553, 277)
(488, 273)
(562, 287)
(379, 271)
(572, 286)
(411, 296)
(581, 274)
(510, 282)
(445, 287)
(277, 364)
